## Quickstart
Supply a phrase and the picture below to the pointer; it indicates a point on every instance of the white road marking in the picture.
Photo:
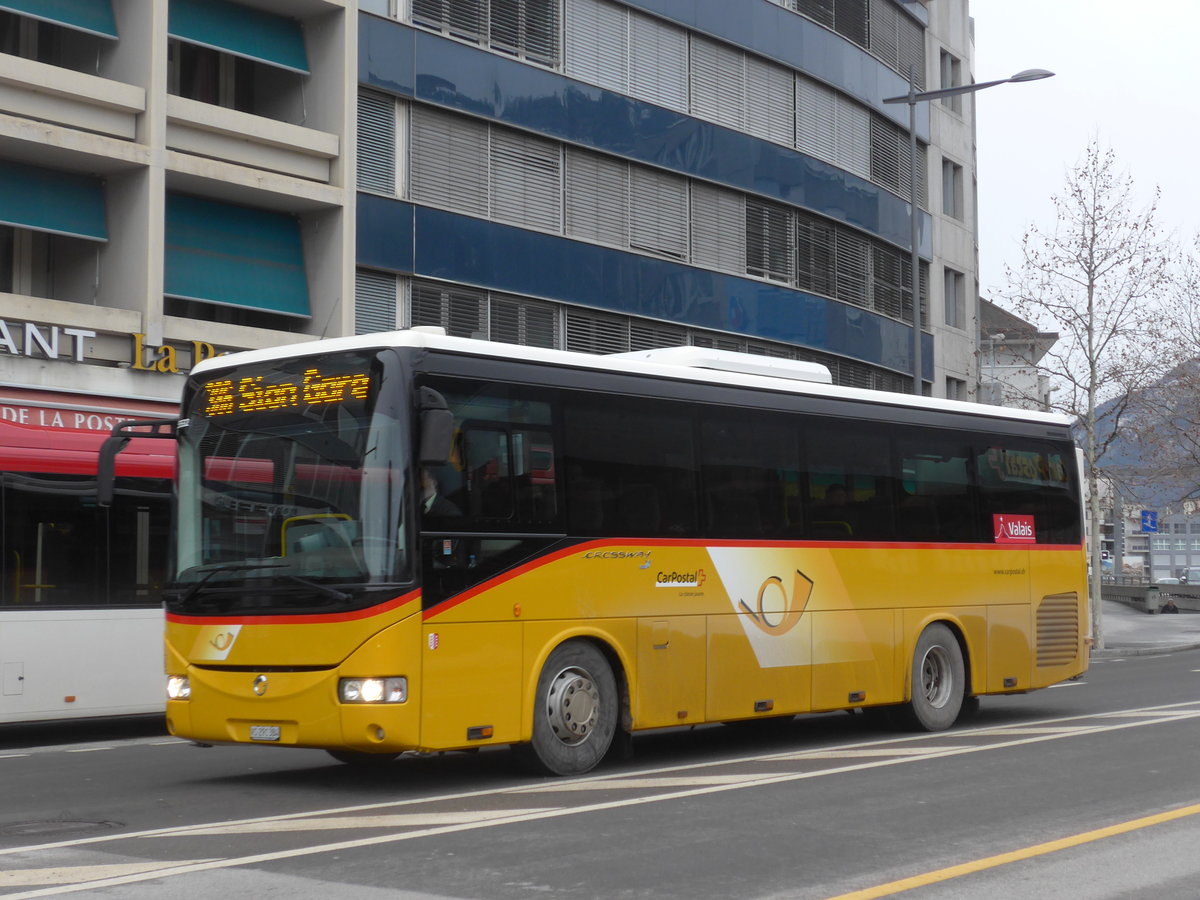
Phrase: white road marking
(80, 874)
(1168, 713)
(643, 783)
(340, 823)
(871, 752)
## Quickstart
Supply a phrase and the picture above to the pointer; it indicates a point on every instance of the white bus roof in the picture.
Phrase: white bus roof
(696, 364)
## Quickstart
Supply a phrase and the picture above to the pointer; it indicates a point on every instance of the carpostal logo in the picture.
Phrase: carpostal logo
(680, 579)
(1014, 529)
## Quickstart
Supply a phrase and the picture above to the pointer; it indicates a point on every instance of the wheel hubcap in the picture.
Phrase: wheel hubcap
(572, 705)
(936, 676)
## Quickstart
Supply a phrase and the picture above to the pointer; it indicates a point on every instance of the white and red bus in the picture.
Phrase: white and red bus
(81, 618)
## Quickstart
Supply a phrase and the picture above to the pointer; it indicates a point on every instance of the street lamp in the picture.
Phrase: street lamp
(912, 98)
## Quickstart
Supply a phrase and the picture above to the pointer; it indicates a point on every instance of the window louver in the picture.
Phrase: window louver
(597, 198)
(717, 240)
(597, 48)
(449, 161)
(374, 302)
(376, 143)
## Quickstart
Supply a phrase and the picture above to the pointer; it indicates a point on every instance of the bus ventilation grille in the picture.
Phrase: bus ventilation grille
(1058, 629)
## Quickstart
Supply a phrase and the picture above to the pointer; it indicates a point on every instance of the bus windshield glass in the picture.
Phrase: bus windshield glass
(291, 487)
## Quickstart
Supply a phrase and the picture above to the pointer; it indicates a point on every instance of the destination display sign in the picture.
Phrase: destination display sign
(248, 394)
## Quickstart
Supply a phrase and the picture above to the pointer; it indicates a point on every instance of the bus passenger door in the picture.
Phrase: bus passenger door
(670, 676)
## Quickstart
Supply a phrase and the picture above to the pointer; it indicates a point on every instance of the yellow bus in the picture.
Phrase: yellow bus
(412, 542)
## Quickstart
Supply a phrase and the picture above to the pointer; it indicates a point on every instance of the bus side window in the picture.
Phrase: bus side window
(936, 488)
(850, 485)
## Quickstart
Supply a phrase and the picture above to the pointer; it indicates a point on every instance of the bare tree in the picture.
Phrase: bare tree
(1098, 277)
(1165, 433)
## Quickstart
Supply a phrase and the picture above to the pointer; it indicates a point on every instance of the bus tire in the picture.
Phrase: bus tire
(938, 680)
(575, 711)
(362, 760)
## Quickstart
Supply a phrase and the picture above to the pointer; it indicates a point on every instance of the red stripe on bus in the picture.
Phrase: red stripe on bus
(457, 599)
(319, 619)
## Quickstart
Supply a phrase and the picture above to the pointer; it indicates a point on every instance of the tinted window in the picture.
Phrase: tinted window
(630, 468)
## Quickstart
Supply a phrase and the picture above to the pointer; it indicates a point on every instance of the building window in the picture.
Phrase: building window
(952, 189)
(956, 300)
(26, 259)
(46, 42)
(956, 389)
(527, 29)
(770, 238)
(210, 76)
(951, 74)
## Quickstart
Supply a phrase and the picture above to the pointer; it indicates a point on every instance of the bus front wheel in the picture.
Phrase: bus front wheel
(575, 713)
(938, 679)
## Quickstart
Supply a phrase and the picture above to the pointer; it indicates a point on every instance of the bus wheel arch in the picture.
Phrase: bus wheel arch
(580, 703)
(938, 682)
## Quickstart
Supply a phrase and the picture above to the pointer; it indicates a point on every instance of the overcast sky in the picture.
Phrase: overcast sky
(1126, 73)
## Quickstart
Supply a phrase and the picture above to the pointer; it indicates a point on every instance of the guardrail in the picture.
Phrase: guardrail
(1152, 597)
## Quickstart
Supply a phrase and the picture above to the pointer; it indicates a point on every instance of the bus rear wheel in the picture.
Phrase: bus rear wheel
(575, 712)
(938, 680)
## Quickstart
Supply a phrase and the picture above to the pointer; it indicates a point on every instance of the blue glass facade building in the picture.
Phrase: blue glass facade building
(809, 246)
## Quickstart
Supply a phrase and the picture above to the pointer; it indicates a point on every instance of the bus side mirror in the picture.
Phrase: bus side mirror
(121, 434)
(437, 434)
(437, 428)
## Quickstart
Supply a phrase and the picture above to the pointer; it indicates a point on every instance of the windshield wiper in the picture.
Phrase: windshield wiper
(240, 567)
(323, 588)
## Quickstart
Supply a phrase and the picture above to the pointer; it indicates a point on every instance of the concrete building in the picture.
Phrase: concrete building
(1009, 351)
(188, 177)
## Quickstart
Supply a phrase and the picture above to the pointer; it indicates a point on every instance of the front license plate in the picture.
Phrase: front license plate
(264, 732)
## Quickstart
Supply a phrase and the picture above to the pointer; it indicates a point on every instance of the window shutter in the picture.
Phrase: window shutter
(815, 258)
(718, 238)
(658, 212)
(598, 44)
(853, 267)
(853, 133)
(658, 62)
(505, 25)
(374, 302)
(770, 101)
(449, 161)
(591, 332)
(462, 312)
(885, 154)
(718, 83)
(540, 31)
(718, 341)
(815, 117)
(885, 33)
(526, 182)
(597, 198)
(888, 288)
(817, 10)
(911, 49)
(517, 321)
(376, 143)
(646, 334)
(770, 241)
(850, 20)
(430, 13)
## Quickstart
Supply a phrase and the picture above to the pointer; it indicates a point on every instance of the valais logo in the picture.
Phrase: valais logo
(1013, 529)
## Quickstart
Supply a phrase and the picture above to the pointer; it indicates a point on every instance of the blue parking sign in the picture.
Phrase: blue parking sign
(1149, 521)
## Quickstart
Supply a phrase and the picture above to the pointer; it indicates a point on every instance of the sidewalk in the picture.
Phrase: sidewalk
(1132, 632)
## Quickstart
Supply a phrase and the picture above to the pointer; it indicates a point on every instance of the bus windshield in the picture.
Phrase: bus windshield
(291, 487)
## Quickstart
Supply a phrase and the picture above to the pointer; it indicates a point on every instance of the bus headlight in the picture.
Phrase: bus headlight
(178, 687)
(373, 690)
